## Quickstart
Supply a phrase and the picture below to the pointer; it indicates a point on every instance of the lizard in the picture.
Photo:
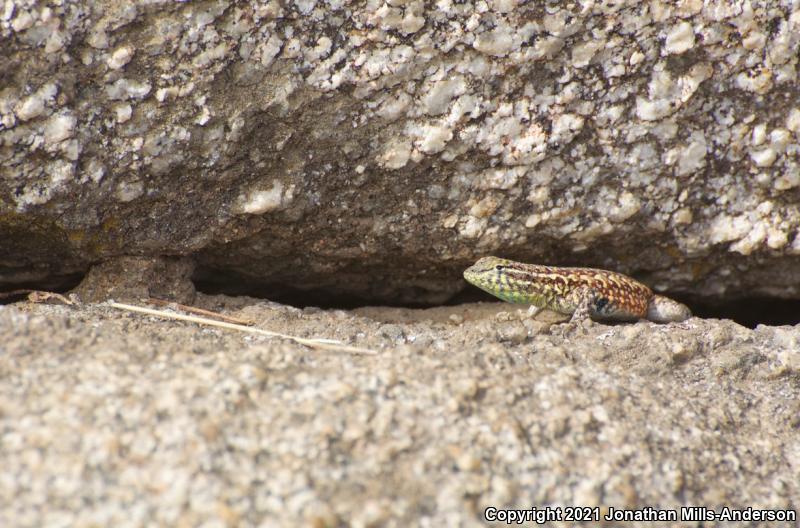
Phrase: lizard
(583, 293)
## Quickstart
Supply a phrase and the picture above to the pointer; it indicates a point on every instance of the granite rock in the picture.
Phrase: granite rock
(109, 418)
(375, 149)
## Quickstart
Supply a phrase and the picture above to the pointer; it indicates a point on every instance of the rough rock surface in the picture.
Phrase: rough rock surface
(377, 148)
(109, 418)
(137, 278)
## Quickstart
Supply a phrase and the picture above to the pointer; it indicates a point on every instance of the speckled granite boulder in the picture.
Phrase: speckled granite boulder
(376, 148)
(115, 419)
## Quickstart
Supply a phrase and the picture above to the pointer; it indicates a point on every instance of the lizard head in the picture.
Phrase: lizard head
(507, 280)
(485, 271)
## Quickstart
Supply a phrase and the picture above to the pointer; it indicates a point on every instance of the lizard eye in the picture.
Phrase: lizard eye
(499, 267)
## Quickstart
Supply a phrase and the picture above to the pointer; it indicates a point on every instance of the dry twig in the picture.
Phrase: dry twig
(37, 296)
(322, 344)
(200, 311)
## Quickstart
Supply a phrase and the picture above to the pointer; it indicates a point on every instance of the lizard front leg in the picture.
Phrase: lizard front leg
(584, 299)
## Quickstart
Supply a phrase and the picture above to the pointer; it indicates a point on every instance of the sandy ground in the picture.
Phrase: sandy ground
(110, 418)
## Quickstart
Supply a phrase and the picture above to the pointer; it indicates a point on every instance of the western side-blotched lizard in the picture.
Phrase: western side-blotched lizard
(580, 292)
